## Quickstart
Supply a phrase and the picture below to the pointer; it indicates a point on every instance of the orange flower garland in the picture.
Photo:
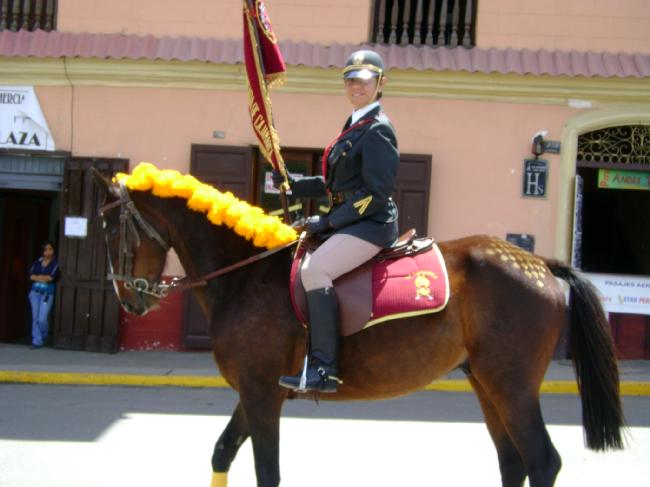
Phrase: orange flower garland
(220, 208)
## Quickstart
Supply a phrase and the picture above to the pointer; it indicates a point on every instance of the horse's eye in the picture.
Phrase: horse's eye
(113, 232)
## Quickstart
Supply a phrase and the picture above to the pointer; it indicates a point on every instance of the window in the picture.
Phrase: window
(28, 15)
(437, 23)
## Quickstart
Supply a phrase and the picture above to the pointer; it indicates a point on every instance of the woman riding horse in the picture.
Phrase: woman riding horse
(359, 171)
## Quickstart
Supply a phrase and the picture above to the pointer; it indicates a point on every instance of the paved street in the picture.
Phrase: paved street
(81, 436)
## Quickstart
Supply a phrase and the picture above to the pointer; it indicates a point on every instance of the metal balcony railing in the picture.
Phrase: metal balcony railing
(438, 23)
(28, 15)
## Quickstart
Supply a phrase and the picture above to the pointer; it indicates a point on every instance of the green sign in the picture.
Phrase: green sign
(621, 179)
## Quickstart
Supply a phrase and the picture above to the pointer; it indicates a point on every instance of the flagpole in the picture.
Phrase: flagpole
(281, 167)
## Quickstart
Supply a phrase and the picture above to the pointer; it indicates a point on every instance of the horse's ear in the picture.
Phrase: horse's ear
(103, 182)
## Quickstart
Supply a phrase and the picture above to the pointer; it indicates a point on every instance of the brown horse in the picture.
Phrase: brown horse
(501, 326)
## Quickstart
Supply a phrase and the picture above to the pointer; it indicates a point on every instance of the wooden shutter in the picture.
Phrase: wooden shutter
(412, 192)
(87, 316)
(228, 168)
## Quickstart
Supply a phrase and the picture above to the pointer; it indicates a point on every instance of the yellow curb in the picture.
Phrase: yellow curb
(74, 378)
(628, 388)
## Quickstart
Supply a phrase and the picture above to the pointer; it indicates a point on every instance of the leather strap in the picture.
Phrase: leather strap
(187, 283)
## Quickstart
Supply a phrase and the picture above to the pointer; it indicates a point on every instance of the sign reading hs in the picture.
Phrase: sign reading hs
(535, 176)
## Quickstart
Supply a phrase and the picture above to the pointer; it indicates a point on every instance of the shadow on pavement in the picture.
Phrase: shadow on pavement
(83, 413)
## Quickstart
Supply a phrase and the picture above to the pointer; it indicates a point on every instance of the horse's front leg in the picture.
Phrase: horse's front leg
(262, 406)
(227, 446)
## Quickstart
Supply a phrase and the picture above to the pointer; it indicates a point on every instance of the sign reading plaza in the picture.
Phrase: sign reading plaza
(22, 123)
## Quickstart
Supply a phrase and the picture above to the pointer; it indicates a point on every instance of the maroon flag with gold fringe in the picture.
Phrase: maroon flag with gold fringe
(265, 68)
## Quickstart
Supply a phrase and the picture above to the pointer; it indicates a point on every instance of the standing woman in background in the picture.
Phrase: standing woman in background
(43, 273)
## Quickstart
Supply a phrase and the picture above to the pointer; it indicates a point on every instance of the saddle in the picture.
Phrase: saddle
(408, 279)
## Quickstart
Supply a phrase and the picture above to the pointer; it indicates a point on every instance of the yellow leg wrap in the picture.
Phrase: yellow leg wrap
(219, 479)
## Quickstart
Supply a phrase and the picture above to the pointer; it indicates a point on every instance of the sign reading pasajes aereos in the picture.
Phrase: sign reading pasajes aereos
(22, 123)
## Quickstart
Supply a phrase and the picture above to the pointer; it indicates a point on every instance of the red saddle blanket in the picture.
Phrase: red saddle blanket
(380, 291)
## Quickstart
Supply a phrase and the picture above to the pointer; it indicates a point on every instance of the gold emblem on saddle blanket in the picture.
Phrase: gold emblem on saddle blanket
(422, 283)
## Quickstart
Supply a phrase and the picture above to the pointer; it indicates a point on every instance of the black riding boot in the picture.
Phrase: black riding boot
(324, 334)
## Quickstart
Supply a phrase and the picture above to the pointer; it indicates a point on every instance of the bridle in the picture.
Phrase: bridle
(130, 219)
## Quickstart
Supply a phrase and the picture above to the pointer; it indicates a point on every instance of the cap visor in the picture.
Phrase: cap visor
(364, 74)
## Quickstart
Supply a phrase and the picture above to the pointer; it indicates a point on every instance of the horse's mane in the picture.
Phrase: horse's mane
(220, 208)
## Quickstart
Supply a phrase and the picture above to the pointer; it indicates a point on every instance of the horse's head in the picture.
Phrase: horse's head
(137, 241)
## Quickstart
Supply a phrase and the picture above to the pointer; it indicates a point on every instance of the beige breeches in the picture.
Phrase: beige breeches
(339, 254)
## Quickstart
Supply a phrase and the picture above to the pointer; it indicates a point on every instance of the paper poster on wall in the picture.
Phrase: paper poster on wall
(22, 123)
(76, 226)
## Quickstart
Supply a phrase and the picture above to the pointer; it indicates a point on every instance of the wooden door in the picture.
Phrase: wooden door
(227, 168)
(25, 225)
(87, 309)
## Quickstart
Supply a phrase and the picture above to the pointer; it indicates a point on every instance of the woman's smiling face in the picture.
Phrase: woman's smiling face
(360, 92)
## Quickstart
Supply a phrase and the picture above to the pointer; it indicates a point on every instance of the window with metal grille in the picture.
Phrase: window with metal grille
(437, 23)
(28, 15)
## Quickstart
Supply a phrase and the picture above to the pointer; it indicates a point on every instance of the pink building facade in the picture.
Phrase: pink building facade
(150, 83)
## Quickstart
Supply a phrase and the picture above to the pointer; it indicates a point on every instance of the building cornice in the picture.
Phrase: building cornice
(458, 85)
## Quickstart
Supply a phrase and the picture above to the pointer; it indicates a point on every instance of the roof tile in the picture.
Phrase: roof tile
(230, 51)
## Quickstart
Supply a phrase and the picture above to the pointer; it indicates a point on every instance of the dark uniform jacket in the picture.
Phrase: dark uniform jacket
(360, 176)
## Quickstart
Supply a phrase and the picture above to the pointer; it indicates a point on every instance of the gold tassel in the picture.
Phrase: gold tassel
(219, 479)
(276, 80)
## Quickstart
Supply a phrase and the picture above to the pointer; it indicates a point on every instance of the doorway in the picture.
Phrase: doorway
(27, 219)
(612, 226)
(30, 203)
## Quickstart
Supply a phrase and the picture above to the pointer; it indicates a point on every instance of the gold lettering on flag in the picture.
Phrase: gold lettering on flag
(264, 66)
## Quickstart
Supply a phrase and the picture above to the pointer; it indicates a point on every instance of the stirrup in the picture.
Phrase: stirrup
(321, 381)
(325, 377)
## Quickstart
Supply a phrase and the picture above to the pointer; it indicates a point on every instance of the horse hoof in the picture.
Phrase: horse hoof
(219, 479)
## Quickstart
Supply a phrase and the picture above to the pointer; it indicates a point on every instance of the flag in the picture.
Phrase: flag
(264, 68)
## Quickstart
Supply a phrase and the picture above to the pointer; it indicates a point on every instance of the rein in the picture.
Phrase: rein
(129, 217)
(189, 283)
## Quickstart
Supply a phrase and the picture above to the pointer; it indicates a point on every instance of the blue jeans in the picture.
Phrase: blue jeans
(41, 306)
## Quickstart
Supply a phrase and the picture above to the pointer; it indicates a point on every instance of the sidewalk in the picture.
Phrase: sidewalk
(19, 364)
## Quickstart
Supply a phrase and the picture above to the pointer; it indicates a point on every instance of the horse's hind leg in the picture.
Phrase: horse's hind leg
(511, 466)
(521, 416)
(227, 447)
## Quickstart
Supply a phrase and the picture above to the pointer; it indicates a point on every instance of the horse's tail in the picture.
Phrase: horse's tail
(594, 360)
